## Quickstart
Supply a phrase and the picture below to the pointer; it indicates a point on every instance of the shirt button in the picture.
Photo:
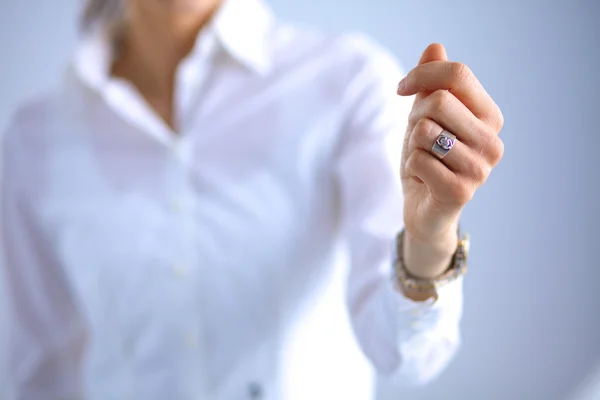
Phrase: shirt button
(176, 149)
(255, 391)
(179, 270)
(190, 340)
(177, 205)
(128, 346)
(416, 312)
(416, 325)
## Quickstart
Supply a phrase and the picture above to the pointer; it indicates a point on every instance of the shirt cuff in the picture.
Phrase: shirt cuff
(420, 316)
(428, 332)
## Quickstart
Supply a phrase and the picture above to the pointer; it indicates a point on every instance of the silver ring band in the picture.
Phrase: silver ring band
(443, 144)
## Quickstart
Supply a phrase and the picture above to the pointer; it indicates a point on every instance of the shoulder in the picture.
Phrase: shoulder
(348, 54)
(346, 67)
(29, 119)
(35, 107)
(43, 117)
(32, 126)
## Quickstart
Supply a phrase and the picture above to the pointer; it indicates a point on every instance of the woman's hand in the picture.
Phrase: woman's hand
(448, 96)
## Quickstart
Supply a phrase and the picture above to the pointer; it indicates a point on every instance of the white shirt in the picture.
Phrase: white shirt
(243, 257)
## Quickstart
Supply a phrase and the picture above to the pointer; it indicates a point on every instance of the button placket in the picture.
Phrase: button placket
(182, 262)
(179, 269)
(176, 148)
(190, 340)
(255, 391)
(177, 205)
(417, 312)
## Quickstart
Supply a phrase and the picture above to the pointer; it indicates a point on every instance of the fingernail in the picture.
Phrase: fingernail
(401, 86)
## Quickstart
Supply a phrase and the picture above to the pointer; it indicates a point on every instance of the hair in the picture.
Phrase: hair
(105, 12)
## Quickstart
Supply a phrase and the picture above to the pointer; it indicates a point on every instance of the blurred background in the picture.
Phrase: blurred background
(531, 325)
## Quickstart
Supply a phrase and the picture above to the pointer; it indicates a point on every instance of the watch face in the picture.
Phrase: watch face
(465, 244)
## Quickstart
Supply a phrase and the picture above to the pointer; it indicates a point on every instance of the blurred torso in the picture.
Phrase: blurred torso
(192, 257)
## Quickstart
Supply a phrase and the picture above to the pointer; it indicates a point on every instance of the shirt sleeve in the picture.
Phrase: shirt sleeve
(45, 334)
(409, 342)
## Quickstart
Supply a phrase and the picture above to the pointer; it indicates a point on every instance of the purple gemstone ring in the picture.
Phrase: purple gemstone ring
(443, 144)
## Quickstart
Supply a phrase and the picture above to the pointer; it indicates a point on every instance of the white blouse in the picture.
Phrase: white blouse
(247, 256)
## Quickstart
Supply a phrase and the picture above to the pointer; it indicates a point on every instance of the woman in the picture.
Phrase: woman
(175, 209)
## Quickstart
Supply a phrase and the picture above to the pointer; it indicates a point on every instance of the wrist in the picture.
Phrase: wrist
(425, 286)
(431, 256)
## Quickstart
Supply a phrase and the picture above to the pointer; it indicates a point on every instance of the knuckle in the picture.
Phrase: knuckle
(482, 143)
(440, 101)
(480, 172)
(496, 150)
(423, 129)
(460, 192)
(414, 160)
(496, 121)
(499, 120)
(409, 164)
(413, 117)
(460, 72)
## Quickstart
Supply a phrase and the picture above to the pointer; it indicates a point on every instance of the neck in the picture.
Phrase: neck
(157, 37)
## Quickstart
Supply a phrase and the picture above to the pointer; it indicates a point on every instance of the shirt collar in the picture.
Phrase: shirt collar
(242, 28)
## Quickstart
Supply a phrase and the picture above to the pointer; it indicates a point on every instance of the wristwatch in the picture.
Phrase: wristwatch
(458, 267)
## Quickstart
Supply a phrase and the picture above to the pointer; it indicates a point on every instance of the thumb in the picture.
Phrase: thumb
(433, 52)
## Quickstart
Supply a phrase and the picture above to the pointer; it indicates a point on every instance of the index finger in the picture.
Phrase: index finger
(455, 77)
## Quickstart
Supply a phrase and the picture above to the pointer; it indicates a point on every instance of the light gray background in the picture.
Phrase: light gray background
(532, 321)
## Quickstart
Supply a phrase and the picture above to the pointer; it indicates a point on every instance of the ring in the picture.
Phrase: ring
(443, 144)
